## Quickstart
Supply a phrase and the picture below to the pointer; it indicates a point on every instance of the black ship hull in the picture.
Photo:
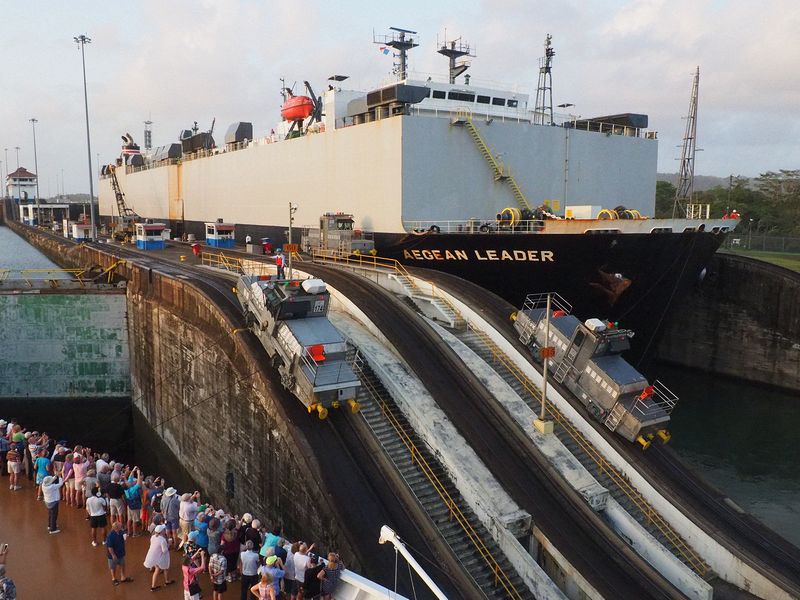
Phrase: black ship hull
(634, 279)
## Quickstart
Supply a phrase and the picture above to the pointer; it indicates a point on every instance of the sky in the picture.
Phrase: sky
(179, 61)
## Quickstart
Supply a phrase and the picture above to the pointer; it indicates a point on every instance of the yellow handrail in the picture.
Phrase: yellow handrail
(689, 555)
(221, 261)
(692, 558)
(455, 512)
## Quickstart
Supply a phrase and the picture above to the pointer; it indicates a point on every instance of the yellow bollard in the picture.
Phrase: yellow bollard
(183, 258)
(354, 406)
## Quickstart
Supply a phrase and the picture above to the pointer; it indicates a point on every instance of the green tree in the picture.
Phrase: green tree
(665, 196)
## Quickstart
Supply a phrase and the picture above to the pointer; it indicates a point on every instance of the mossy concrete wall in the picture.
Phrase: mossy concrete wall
(207, 392)
(743, 320)
(64, 343)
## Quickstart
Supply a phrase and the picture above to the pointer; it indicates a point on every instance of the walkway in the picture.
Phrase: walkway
(40, 563)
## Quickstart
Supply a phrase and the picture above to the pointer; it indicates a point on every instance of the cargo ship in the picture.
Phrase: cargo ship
(468, 178)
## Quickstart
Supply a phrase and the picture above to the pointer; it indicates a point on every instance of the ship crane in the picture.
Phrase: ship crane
(127, 216)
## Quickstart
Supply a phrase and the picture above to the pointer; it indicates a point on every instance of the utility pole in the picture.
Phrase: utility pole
(541, 424)
(292, 210)
(82, 40)
(36, 168)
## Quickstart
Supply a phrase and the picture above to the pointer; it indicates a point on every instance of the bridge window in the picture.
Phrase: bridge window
(499, 101)
(461, 96)
(439, 94)
(483, 99)
(513, 103)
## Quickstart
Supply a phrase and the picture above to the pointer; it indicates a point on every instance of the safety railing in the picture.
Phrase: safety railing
(686, 552)
(476, 226)
(657, 401)
(500, 577)
(29, 276)
(222, 261)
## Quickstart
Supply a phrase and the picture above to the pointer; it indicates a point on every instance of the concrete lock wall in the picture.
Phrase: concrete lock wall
(69, 344)
(221, 415)
(743, 320)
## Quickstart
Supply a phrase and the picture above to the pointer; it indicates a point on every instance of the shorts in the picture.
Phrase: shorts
(70, 484)
(221, 587)
(172, 524)
(289, 586)
(117, 506)
(14, 467)
(135, 514)
(186, 527)
(98, 521)
(79, 485)
(188, 596)
(113, 564)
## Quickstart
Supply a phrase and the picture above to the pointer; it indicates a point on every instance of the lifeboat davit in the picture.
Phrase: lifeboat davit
(297, 108)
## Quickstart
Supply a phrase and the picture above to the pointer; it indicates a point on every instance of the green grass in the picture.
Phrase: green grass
(788, 260)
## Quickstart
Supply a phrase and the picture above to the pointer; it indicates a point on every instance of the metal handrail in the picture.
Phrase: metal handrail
(26, 275)
(455, 512)
(687, 552)
(221, 261)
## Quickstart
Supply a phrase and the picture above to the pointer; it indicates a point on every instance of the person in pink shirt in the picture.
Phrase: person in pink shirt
(191, 587)
(79, 467)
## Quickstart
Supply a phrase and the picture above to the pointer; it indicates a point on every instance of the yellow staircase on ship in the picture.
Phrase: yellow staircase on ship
(464, 118)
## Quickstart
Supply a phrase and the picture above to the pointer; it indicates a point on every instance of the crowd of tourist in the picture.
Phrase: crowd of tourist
(204, 544)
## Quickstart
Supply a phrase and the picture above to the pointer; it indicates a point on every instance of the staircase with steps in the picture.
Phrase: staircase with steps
(619, 489)
(499, 173)
(483, 561)
(445, 313)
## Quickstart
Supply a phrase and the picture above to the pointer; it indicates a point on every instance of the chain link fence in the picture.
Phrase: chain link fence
(762, 243)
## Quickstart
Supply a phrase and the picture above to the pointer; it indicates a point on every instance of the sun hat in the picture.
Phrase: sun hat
(160, 528)
(247, 518)
(271, 560)
(48, 480)
(171, 491)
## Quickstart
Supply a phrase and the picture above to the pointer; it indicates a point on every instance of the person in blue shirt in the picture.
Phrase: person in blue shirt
(42, 468)
(201, 526)
(133, 500)
(115, 552)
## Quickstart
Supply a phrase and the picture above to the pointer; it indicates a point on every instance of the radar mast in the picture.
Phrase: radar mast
(544, 91)
(401, 41)
(455, 50)
(685, 189)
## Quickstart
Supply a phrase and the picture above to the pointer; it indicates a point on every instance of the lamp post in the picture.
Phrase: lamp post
(36, 168)
(82, 40)
(19, 189)
(750, 235)
(5, 181)
(541, 424)
(292, 210)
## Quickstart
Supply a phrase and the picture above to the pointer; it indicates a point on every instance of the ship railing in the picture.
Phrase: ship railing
(539, 301)
(417, 452)
(662, 402)
(476, 226)
(327, 376)
(490, 114)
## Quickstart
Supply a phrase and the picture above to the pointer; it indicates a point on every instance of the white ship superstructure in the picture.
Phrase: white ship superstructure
(399, 155)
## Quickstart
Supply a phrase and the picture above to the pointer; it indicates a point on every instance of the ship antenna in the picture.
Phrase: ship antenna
(454, 50)
(401, 44)
(685, 190)
(544, 91)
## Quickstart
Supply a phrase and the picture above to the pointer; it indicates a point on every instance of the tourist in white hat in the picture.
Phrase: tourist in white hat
(157, 557)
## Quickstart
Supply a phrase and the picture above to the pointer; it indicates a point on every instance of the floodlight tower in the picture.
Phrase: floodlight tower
(400, 42)
(544, 91)
(685, 189)
(455, 49)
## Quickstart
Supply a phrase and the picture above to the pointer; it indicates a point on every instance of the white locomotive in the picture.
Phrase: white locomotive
(290, 319)
(585, 357)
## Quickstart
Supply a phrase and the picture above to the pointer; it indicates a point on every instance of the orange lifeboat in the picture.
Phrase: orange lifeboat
(297, 108)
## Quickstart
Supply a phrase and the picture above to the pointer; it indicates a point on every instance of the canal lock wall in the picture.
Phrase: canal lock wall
(205, 392)
(742, 320)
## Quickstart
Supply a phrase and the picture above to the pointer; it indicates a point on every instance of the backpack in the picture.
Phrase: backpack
(8, 591)
(133, 501)
(155, 502)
